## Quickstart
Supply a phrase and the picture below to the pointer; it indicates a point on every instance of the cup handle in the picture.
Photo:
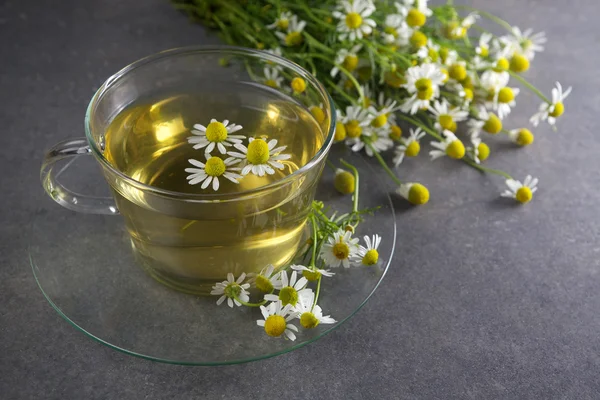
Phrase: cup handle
(73, 201)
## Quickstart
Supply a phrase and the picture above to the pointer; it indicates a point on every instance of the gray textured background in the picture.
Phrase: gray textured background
(484, 300)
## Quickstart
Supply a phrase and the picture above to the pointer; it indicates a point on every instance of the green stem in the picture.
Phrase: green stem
(486, 169)
(317, 293)
(250, 304)
(332, 85)
(420, 125)
(331, 165)
(347, 73)
(315, 237)
(356, 183)
(384, 164)
(529, 86)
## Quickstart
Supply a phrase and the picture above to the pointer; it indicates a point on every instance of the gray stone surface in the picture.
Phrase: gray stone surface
(484, 300)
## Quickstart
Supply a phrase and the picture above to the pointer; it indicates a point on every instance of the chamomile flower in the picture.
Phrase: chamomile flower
(289, 290)
(458, 30)
(282, 22)
(446, 117)
(395, 31)
(340, 249)
(293, 36)
(429, 52)
(354, 19)
(368, 254)
(344, 181)
(479, 151)
(414, 192)
(210, 171)
(500, 97)
(415, 12)
(216, 134)
(382, 112)
(357, 122)
(483, 47)
(451, 146)
(310, 316)
(550, 111)
(378, 140)
(260, 157)
(232, 290)
(312, 274)
(485, 121)
(276, 317)
(410, 147)
(267, 279)
(522, 192)
(272, 77)
(422, 82)
(529, 43)
(347, 58)
(522, 137)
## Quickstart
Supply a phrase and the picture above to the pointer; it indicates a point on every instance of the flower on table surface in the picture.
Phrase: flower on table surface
(410, 147)
(500, 97)
(232, 290)
(267, 279)
(485, 121)
(216, 134)
(550, 111)
(347, 58)
(276, 320)
(450, 146)
(378, 141)
(522, 137)
(293, 36)
(414, 192)
(368, 254)
(210, 171)
(447, 116)
(340, 249)
(282, 22)
(382, 112)
(312, 274)
(422, 82)
(260, 157)
(479, 151)
(289, 290)
(311, 316)
(344, 182)
(357, 121)
(354, 19)
(522, 192)
(272, 77)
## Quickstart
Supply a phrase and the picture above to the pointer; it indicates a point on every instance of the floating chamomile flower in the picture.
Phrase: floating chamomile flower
(310, 316)
(446, 116)
(414, 192)
(266, 280)
(522, 192)
(272, 77)
(293, 36)
(216, 134)
(451, 146)
(522, 137)
(312, 274)
(340, 249)
(423, 82)
(368, 254)
(276, 318)
(354, 22)
(260, 157)
(410, 147)
(348, 59)
(211, 171)
(550, 111)
(232, 290)
(289, 290)
(480, 151)
(282, 22)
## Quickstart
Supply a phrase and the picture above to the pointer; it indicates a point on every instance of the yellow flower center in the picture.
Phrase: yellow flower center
(379, 121)
(525, 137)
(311, 275)
(258, 152)
(447, 122)
(415, 18)
(483, 151)
(444, 51)
(468, 94)
(433, 54)
(318, 114)
(288, 295)
(425, 94)
(423, 84)
(484, 51)
(350, 62)
(214, 167)
(340, 132)
(275, 325)
(559, 109)
(353, 20)
(294, 39)
(353, 129)
(418, 39)
(263, 284)
(394, 79)
(272, 83)
(519, 63)
(232, 290)
(371, 257)
(341, 251)
(418, 194)
(413, 149)
(456, 150)
(467, 82)
(283, 24)
(216, 132)
(396, 132)
(506, 95)
(524, 195)
(298, 84)
(308, 320)
(454, 31)
(391, 31)
(527, 43)
(344, 182)
(502, 65)
(493, 125)
(457, 71)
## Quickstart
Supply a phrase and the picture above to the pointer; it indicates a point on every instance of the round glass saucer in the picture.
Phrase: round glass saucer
(85, 267)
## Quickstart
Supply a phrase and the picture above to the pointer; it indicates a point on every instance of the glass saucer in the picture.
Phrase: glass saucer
(85, 268)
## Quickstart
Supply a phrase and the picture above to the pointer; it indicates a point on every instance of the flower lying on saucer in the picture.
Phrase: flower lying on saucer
(289, 290)
(216, 134)
(310, 314)
(260, 157)
(276, 318)
(340, 249)
(232, 290)
(211, 171)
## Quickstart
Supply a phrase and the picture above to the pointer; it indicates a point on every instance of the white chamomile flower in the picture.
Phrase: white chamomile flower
(483, 47)
(267, 279)
(448, 57)
(276, 318)
(522, 192)
(415, 12)
(500, 97)
(232, 290)
(354, 22)
(368, 254)
(293, 36)
(429, 52)
(459, 30)
(340, 249)
(357, 122)
(479, 151)
(382, 112)
(378, 139)
(451, 146)
(528, 42)
(312, 274)
(347, 58)
(551, 111)
(422, 82)
(210, 171)
(310, 316)
(289, 290)
(410, 147)
(282, 22)
(484, 120)
(396, 31)
(446, 117)
(260, 157)
(272, 77)
(216, 134)
(522, 136)
(414, 192)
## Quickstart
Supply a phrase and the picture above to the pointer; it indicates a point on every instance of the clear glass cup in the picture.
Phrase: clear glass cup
(253, 228)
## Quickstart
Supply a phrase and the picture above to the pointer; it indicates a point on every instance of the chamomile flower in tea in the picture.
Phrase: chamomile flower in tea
(216, 134)
(208, 172)
(260, 157)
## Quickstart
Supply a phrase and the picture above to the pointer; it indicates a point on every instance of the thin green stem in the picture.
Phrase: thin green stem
(384, 165)
(315, 240)
(486, 169)
(317, 292)
(356, 183)
(250, 304)
(332, 85)
(331, 165)
(420, 125)
(347, 73)
(529, 86)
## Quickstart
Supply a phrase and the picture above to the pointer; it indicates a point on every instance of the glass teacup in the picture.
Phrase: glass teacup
(137, 128)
